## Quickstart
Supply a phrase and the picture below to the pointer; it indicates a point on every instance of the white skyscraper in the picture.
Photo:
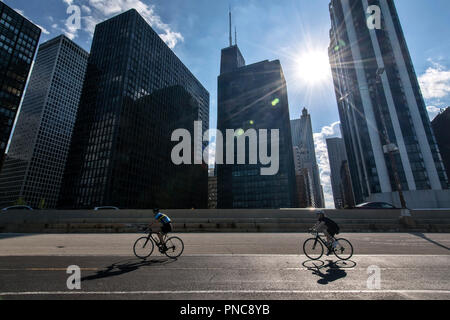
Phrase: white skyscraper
(303, 138)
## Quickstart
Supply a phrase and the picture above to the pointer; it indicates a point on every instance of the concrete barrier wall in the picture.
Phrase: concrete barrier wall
(288, 220)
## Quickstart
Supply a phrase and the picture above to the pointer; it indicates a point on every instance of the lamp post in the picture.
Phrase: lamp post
(389, 148)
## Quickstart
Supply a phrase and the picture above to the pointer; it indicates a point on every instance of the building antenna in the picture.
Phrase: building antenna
(235, 36)
(231, 37)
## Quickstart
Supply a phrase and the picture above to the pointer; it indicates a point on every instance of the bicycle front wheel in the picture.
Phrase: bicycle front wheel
(175, 247)
(344, 249)
(143, 247)
(313, 249)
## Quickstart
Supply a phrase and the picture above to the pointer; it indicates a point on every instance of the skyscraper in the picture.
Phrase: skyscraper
(254, 97)
(136, 93)
(347, 194)
(41, 140)
(212, 189)
(304, 182)
(441, 125)
(303, 138)
(382, 109)
(18, 43)
(336, 155)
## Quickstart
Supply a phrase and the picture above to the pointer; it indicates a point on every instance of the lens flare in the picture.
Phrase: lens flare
(313, 67)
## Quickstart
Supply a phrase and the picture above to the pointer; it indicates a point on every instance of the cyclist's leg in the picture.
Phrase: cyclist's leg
(161, 237)
(164, 232)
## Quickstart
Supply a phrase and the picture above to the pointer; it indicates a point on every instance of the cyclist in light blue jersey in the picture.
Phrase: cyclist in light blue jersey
(166, 224)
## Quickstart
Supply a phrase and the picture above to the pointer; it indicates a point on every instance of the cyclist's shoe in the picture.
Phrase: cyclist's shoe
(330, 251)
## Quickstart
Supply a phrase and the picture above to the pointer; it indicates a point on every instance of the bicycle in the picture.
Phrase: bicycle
(313, 247)
(172, 247)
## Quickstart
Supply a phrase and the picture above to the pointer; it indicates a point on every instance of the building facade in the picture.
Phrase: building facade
(254, 97)
(19, 39)
(347, 194)
(303, 138)
(41, 140)
(117, 158)
(212, 189)
(441, 125)
(336, 155)
(304, 182)
(376, 88)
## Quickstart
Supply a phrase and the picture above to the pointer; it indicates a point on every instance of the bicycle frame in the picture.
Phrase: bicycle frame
(154, 236)
(318, 237)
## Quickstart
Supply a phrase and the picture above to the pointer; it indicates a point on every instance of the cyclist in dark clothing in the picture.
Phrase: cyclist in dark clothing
(328, 227)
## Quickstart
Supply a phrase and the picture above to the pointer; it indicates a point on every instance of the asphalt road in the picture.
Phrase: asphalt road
(225, 266)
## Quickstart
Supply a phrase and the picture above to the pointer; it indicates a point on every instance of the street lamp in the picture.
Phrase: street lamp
(389, 147)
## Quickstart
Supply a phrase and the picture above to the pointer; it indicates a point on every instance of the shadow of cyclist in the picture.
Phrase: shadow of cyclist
(123, 267)
(333, 273)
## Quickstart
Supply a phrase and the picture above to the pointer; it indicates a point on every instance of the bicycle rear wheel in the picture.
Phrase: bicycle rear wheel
(143, 247)
(175, 247)
(313, 249)
(344, 249)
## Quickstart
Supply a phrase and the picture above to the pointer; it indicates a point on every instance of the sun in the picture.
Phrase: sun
(312, 67)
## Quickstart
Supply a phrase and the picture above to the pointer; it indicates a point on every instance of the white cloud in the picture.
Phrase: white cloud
(100, 10)
(86, 9)
(435, 82)
(327, 132)
(433, 111)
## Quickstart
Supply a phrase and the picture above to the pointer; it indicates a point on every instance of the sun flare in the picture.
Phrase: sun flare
(313, 67)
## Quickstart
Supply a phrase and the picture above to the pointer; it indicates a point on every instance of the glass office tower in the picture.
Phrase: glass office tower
(18, 43)
(254, 97)
(336, 156)
(109, 161)
(377, 88)
(40, 144)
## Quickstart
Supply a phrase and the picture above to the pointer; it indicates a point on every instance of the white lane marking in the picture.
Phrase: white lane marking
(219, 255)
(231, 268)
(221, 292)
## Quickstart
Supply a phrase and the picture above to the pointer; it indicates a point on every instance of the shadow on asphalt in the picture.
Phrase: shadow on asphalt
(330, 271)
(421, 235)
(126, 266)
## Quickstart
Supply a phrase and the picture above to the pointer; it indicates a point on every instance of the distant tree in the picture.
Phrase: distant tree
(20, 202)
(41, 204)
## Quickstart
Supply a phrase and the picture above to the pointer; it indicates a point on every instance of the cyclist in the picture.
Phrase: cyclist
(328, 227)
(166, 226)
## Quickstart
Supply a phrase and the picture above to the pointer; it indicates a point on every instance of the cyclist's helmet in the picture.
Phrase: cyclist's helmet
(155, 211)
(320, 212)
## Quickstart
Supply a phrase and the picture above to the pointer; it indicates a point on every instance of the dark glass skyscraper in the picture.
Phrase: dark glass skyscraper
(39, 147)
(254, 97)
(135, 94)
(18, 43)
(441, 128)
(377, 91)
(336, 155)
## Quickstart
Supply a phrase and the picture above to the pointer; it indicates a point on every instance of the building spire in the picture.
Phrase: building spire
(235, 36)
(231, 37)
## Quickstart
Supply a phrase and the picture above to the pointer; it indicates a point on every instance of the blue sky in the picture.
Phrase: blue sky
(267, 29)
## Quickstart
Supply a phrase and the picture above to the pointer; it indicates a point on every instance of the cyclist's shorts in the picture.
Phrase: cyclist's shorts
(166, 228)
(332, 231)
